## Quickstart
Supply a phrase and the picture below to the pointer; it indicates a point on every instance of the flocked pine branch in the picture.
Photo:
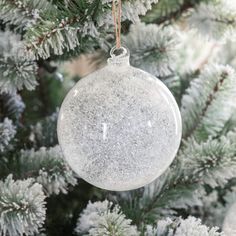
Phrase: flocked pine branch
(170, 10)
(163, 197)
(212, 162)
(48, 167)
(72, 25)
(227, 53)
(209, 102)
(135, 8)
(189, 62)
(7, 133)
(44, 132)
(229, 199)
(104, 218)
(217, 19)
(12, 105)
(23, 13)
(178, 189)
(22, 207)
(155, 52)
(179, 227)
(213, 209)
(17, 70)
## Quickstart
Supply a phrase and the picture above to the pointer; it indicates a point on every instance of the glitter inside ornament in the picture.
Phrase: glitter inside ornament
(120, 127)
(229, 226)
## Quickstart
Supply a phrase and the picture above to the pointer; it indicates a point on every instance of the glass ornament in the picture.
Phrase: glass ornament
(120, 127)
(229, 226)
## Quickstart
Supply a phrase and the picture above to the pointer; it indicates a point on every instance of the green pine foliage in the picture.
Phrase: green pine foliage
(17, 69)
(22, 207)
(219, 19)
(155, 52)
(166, 11)
(48, 168)
(180, 227)
(23, 13)
(12, 105)
(104, 218)
(212, 162)
(7, 132)
(188, 45)
(208, 102)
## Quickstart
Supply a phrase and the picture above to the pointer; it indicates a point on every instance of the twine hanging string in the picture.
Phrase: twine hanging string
(116, 13)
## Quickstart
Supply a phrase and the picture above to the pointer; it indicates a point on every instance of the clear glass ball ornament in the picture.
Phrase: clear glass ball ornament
(120, 127)
(229, 225)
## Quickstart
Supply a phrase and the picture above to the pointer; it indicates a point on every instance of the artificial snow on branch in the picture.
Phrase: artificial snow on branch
(55, 36)
(216, 19)
(155, 52)
(163, 197)
(17, 69)
(134, 8)
(48, 167)
(169, 10)
(12, 105)
(182, 227)
(212, 162)
(63, 32)
(22, 13)
(44, 132)
(209, 102)
(131, 10)
(72, 25)
(7, 133)
(22, 207)
(104, 218)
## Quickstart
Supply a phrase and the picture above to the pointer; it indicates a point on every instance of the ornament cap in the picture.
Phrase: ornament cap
(119, 56)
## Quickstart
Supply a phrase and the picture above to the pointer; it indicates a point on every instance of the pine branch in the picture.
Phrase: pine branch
(12, 105)
(23, 13)
(179, 227)
(134, 8)
(104, 218)
(192, 56)
(7, 133)
(17, 70)
(22, 207)
(61, 33)
(164, 197)
(48, 167)
(182, 186)
(44, 133)
(215, 19)
(55, 38)
(166, 11)
(154, 53)
(212, 162)
(208, 105)
(67, 29)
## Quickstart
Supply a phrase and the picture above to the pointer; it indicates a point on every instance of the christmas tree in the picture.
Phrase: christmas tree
(47, 46)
